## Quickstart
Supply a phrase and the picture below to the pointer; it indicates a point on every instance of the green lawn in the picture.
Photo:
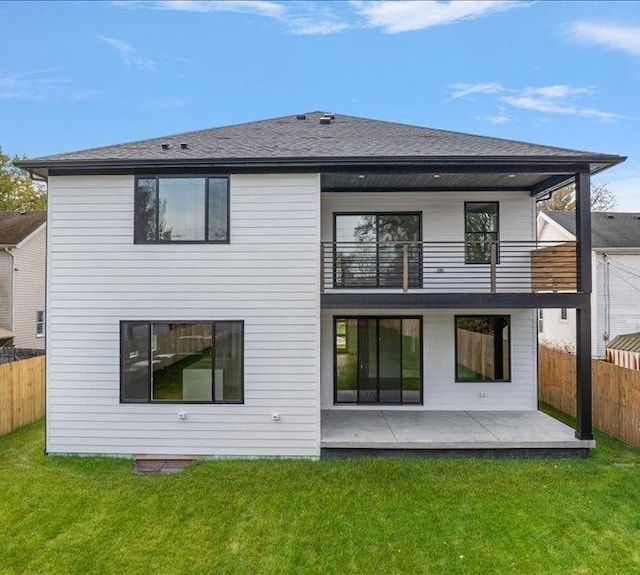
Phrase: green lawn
(93, 515)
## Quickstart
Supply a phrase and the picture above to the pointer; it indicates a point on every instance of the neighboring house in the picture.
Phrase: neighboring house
(22, 279)
(248, 290)
(624, 350)
(615, 298)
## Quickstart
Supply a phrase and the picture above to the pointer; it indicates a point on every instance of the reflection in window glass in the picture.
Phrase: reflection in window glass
(181, 203)
(481, 230)
(173, 362)
(370, 247)
(228, 362)
(483, 348)
(218, 209)
(181, 361)
(378, 360)
(181, 210)
(134, 351)
(145, 211)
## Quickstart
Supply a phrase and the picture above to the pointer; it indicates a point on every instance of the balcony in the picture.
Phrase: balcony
(449, 267)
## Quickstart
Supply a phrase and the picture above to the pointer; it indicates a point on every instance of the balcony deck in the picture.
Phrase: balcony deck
(448, 267)
(348, 433)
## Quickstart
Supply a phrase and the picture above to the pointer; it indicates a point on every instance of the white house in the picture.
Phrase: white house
(304, 285)
(615, 298)
(22, 279)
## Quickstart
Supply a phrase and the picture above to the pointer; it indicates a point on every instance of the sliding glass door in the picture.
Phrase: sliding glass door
(378, 360)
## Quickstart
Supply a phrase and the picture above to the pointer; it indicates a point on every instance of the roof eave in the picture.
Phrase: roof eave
(595, 162)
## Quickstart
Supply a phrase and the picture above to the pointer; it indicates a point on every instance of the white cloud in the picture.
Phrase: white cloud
(557, 91)
(402, 16)
(128, 54)
(32, 85)
(464, 90)
(615, 36)
(300, 18)
(499, 119)
(551, 99)
(309, 27)
(260, 7)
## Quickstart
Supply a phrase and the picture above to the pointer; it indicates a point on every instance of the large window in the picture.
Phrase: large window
(483, 348)
(181, 362)
(378, 360)
(181, 210)
(480, 231)
(370, 249)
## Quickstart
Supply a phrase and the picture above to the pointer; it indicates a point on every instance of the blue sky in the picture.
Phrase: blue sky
(83, 74)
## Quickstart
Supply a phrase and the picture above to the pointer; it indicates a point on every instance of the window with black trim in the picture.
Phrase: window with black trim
(481, 226)
(483, 348)
(181, 209)
(370, 249)
(194, 362)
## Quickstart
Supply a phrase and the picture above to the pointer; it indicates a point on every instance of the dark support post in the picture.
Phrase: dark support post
(583, 314)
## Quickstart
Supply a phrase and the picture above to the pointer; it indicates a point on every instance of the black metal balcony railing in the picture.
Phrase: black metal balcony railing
(517, 266)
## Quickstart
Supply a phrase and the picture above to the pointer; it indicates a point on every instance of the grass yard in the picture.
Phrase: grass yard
(93, 515)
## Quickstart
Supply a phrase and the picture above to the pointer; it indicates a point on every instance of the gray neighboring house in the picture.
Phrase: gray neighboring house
(22, 279)
(615, 298)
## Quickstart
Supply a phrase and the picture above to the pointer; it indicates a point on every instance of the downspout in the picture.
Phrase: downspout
(13, 285)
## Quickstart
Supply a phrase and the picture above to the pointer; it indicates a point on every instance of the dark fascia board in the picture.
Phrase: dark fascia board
(450, 164)
(340, 300)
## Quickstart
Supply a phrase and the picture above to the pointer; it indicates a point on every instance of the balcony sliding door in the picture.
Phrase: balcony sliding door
(378, 360)
(369, 249)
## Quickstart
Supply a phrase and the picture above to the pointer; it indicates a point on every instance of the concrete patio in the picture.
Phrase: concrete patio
(347, 433)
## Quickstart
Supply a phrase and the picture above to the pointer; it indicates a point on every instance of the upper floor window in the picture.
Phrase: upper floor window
(369, 249)
(480, 231)
(170, 209)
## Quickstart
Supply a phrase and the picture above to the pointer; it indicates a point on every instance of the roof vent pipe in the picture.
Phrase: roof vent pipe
(165, 146)
(610, 216)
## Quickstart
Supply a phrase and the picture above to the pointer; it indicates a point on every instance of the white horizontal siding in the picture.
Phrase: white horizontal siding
(6, 290)
(267, 276)
(29, 294)
(440, 391)
(618, 303)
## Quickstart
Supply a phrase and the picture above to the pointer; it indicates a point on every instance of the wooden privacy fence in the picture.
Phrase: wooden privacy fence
(21, 393)
(616, 392)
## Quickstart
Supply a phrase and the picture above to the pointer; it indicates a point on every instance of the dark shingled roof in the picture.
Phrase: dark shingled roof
(608, 229)
(289, 138)
(16, 226)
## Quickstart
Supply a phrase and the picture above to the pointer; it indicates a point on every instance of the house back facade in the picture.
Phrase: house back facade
(224, 289)
(615, 297)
